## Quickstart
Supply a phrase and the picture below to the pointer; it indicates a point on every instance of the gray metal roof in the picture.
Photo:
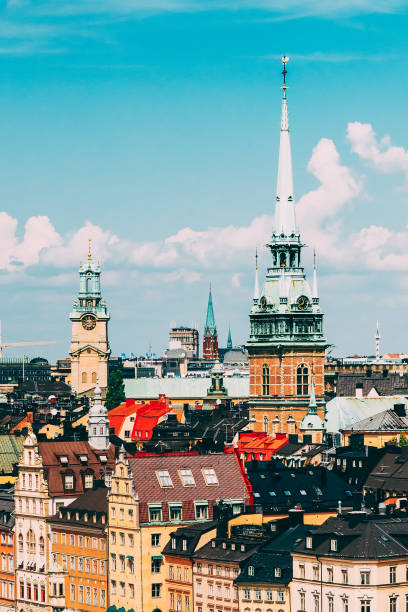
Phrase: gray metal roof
(341, 412)
(183, 388)
(387, 420)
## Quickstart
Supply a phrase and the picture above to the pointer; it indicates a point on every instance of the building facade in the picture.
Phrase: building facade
(7, 568)
(90, 348)
(210, 338)
(186, 338)
(286, 345)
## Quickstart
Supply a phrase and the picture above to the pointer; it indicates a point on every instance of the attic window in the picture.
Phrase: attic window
(210, 476)
(251, 570)
(303, 492)
(187, 478)
(278, 572)
(224, 545)
(287, 493)
(272, 493)
(213, 544)
(309, 542)
(103, 458)
(333, 545)
(318, 491)
(256, 494)
(164, 478)
(242, 547)
(64, 459)
(232, 546)
(83, 458)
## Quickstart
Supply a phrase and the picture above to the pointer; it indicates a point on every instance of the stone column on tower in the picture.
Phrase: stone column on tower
(286, 343)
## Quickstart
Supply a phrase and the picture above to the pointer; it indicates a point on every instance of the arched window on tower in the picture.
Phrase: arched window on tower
(265, 424)
(84, 377)
(302, 380)
(265, 380)
(282, 260)
(94, 377)
(31, 541)
(20, 543)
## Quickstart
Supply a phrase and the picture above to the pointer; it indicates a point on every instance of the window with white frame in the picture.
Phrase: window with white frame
(201, 510)
(210, 476)
(164, 478)
(187, 477)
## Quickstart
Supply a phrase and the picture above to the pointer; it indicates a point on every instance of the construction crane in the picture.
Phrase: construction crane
(4, 345)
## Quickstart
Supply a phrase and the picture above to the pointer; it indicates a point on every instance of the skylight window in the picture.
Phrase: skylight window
(272, 493)
(256, 494)
(103, 458)
(318, 491)
(187, 478)
(64, 459)
(164, 478)
(83, 458)
(303, 492)
(287, 493)
(210, 476)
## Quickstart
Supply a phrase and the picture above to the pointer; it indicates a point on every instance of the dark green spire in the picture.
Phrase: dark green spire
(210, 321)
(229, 341)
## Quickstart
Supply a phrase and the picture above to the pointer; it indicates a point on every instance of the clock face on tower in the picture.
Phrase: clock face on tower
(88, 322)
(302, 302)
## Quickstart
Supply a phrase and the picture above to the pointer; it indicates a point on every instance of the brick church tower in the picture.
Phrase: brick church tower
(286, 345)
(210, 339)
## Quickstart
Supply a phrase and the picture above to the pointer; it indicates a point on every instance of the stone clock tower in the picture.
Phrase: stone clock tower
(89, 344)
(286, 345)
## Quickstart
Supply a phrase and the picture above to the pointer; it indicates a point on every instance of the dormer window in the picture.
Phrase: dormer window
(333, 545)
(63, 460)
(173, 543)
(86, 517)
(278, 572)
(184, 544)
(233, 546)
(251, 570)
(224, 545)
(309, 542)
(68, 481)
(88, 481)
(242, 547)
(83, 458)
(103, 458)
(213, 544)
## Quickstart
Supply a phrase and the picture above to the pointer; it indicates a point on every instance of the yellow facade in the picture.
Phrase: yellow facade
(89, 355)
(376, 438)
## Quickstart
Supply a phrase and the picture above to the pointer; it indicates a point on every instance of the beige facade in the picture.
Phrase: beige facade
(213, 586)
(89, 355)
(264, 598)
(124, 563)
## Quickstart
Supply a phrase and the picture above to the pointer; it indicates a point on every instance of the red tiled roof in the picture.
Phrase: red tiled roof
(27, 420)
(231, 482)
(256, 443)
(51, 452)
(147, 418)
(118, 415)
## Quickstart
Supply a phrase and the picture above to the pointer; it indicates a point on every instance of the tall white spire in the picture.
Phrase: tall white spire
(256, 288)
(377, 342)
(315, 293)
(285, 222)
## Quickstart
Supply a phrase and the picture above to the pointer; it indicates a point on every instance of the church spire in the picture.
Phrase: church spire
(285, 222)
(312, 401)
(229, 340)
(377, 342)
(315, 293)
(256, 288)
(210, 320)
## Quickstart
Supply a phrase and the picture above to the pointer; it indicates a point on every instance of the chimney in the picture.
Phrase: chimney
(355, 517)
(382, 508)
(296, 516)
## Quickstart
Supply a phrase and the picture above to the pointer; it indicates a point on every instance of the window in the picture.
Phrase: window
(88, 483)
(94, 543)
(278, 572)
(113, 561)
(81, 541)
(302, 602)
(393, 604)
(365, 605)
(69, 481)
(72, 592)
(201, 511)
(330, 603)
(219, 590)
(315, 572)
(257, 595)
(156, 565)
(302, 380)
(72, 563)
(102, 568)
(199, 588)
(345, 604)
(103, 598)
(95, 596)
(227, 592)
(186, 574)
(122, 589)
(393, 574)
(333, 545)
(113, 587)
(122, 563)
(251, 570)
(131, 539)
(247, 594)
(210, 476)
(187, 478)
(301, 571)
(72, 539)
(155, 513)
(309, 542)
(316, 602)
(344, 576)
(155, 539)
(179, 573)
(164, 478)
(329, 574)
(132, 591)
(81, 592)
(63, 539)
(172, 601)
(365, 577)
(122, 538)
(265, 380)
(156, 590)
(218, 570)
(80, 564)
(210, 569)
(175, 512)
(184, 544)
(265, 420)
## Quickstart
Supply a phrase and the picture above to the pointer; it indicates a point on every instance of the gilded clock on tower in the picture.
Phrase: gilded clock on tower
(302, 302)
(88, 322)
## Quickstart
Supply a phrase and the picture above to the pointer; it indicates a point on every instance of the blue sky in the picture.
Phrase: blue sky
(153, 126)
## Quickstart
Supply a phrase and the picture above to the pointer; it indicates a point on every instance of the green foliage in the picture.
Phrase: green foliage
(403, 441)
(115, 394)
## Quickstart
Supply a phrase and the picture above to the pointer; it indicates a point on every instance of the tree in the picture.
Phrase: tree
(403, 440)
(115, 394)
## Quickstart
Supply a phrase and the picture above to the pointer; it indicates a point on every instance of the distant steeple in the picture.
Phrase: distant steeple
(210, 320)
(315, 293)
(229, 341)
(98, 423)
(256, 288)
(312, 401)
(285, 222)
(377, 342)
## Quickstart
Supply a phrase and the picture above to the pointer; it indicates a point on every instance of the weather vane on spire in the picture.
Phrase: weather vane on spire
(285, 60)
(256, 258)
(89, 248)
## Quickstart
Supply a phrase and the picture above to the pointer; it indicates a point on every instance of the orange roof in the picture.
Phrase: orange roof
(118, 415)
(28, 420)
(260, 443)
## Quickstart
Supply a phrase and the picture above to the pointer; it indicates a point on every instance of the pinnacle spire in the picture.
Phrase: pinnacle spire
(312, 401)
(377, 342)
(315, 293)
(229, 340)
(210, 320)
(89, 248)
(285, 222)
(256, 288)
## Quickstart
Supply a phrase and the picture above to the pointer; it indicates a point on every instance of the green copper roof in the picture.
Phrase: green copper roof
(210, 320)
(229, 341)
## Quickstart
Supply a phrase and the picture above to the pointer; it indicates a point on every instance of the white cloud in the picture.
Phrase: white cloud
(235, 281)
(381, 155)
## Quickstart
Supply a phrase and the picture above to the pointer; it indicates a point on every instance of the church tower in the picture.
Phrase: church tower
(286, 345)
(90, 349)
(210, 341)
